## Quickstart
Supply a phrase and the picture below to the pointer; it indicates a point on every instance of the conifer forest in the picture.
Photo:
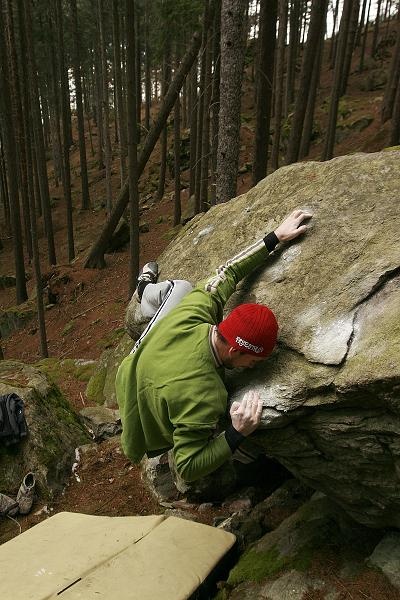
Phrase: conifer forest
(111, 108)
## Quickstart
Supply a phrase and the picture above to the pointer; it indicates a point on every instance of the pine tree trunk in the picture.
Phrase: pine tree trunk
(309, 117)
(106, 104)
(205, 146)
(85, 204)
(11, 163)
(166, 78)
(392, 83)
(376, 28)
(337, 81)
(99, 95)
(317, 22)
(4, 188)
(18, 126)
(279, 81)
(265, 76)
(395, 132)
(32, 100)
(215, 99)
(232, 63)
(193, 127)
(361, 23)
(350, 45)
(147, 69)
(118, 88)
(332, 49)
(132, 144)
(138, 64)
(364, 42)
(95, 258)
(65, 127)
(177, 162)
(200, 113)
(294, 20)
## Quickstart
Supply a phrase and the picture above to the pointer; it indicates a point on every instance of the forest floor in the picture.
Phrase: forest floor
(91, 304)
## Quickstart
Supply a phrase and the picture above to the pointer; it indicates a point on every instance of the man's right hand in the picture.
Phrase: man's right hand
(246, 415)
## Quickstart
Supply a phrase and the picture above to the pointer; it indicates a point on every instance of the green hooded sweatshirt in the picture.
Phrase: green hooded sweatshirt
(170, 391)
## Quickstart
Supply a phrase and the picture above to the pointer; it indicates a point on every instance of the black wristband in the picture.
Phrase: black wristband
(233, 437)
(271, 241)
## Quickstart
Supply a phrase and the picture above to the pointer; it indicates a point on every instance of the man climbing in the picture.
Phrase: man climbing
(170, 389)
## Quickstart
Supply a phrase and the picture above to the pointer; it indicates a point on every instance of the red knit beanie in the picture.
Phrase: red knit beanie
(250, 328)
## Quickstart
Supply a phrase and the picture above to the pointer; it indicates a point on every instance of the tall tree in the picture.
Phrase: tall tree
(79, 107)
(294, 23)
(392, 82)
(193, 127)
(106, 103)
(337, 80)
(118, 88)
(350, 44)
(166, 78)
(11, 160)
(205, 145)
(133, 173)
(364, 39)
(279, 80)
(376, 27)
(232, 63)
(65, 130)
(265, 76)
(31, 100)
(177, 162)
(317, 22)
(215, 99)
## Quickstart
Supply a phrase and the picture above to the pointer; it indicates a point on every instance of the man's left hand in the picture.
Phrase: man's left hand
(291, 227)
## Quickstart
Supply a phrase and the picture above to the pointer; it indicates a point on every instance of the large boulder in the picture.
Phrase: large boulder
(54, 431)
(331, 391)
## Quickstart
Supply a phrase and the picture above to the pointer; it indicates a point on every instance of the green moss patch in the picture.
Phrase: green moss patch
(95, 387)
(57, 370)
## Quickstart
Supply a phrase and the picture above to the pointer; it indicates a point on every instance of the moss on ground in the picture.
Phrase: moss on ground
(111, 339)
(259, 565)
(57, 369)
(95, 387)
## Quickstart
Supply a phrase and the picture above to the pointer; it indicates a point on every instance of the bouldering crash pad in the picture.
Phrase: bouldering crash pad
(73, 556)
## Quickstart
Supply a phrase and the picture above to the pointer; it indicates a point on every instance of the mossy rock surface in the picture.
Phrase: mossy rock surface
(56, 369)
(54, 431)
(101, 385)
(15, 317)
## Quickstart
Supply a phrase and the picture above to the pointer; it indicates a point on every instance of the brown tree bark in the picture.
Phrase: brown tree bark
(121, 109)
(106, 103)
(147, 58)
(376, 28)
(364, 40)
(395, 131)
(293, 50)
(32, 100)
(193, 127)
(200, 112)
(232, 62)
(337, 81)
(279, 81)
(350, 45)
(177, 162)
(11, 162)
(265, 76)
(133, 172)
(317, 22)
(392, 83)
(85, 203)
(215, 99)
(95, 258)
(205, 144)
(166, 78)
(65, 129)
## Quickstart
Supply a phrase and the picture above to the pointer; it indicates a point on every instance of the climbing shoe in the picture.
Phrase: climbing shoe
(25, 493)
(148, 274)
(8, 506)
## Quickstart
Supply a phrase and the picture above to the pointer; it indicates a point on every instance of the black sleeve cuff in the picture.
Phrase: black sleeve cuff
(233, 437)
(270, 241)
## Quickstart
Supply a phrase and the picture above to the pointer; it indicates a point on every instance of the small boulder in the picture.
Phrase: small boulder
(101, 422)
(54, 431)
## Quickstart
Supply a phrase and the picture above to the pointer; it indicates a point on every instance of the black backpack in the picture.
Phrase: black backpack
(13, 425)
